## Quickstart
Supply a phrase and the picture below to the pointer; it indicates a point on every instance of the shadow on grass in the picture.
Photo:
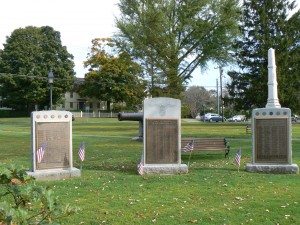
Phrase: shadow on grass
(214, 169)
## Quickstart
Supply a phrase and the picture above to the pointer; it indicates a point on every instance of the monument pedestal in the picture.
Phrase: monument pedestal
(54, 174)
(165, 169)
(51, 141)
(162, 137)
(273, 168)
(272, 132)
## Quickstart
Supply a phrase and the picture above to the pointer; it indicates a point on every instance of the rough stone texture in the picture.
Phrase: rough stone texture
(271, 168)
(165, 169)
(55, 174)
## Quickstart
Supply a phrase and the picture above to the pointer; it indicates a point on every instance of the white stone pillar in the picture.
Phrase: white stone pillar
(273, 101)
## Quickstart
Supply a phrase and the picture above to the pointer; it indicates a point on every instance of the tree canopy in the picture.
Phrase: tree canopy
(28, 55)
(199, 100)
(266, 25)
(113, 76)
(171, 38)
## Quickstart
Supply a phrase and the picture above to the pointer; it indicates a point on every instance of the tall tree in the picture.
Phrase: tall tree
(112, 76)
(171, 38)
(199, 100)
(28, 55)
(266, 25)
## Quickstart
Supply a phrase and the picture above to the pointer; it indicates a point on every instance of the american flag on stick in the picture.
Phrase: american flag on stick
(40, 153)
(237, 158)
(140, 166)
(81, 152)
(189, 146)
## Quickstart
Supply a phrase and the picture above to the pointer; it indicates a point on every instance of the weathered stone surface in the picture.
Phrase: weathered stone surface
(271, 168)
(166, 169)
(55, 174)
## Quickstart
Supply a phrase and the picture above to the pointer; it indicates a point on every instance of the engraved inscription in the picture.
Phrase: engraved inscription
(56, 135)
(161, 141)
(271, 140)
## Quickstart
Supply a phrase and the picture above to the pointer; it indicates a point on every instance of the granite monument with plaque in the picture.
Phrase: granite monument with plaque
(272, 132)
(162, 135)
(51, 141)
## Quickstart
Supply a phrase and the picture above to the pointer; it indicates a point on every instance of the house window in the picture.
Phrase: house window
(71, 94)
(98, 105)
(63, 105)
(91, 105)
(71, 105)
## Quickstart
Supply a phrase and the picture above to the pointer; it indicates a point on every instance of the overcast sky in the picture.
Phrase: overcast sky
(78, 23)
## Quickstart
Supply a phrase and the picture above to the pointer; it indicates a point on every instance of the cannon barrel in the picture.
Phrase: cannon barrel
(131, 116)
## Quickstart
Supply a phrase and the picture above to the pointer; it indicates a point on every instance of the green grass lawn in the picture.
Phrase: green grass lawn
(109, 190)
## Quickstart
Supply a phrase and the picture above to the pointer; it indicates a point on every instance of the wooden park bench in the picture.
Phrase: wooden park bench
(205, 144)
(248, 128)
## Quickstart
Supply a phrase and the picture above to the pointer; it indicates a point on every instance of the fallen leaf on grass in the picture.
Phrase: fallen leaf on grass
(239, 198)
(192, 221)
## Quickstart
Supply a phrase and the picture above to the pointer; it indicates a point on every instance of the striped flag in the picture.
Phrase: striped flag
(189, 146)
(81, 152)
(40, 153)
(140, 166)
(237, 158)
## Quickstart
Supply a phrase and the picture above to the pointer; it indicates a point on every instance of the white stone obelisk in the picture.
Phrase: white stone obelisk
(273, 101)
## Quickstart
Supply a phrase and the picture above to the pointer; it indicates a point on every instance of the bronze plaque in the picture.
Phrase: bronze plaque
(271, 140)
(56, 136)
(161, 141)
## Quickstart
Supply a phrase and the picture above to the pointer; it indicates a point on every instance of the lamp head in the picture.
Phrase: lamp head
(50, 77)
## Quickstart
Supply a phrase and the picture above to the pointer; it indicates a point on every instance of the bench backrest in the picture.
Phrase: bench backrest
(205, 142)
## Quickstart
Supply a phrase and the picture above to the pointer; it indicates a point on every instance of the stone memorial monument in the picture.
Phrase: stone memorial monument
(162, 137)
(272, 132)
(51, 141)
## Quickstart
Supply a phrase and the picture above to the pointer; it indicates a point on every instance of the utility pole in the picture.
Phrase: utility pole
(222, 105)
(218, 99)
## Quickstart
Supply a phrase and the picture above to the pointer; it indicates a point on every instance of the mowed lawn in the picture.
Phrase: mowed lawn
(109, 190)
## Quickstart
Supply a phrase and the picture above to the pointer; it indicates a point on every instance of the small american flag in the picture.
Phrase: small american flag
(189, 146)
(140, 166)
(237, 158)
(81, 152)
(40, 153)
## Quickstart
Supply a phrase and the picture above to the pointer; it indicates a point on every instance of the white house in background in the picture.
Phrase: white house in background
(73, 102)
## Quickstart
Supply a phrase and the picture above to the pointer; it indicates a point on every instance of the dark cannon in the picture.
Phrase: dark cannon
(131, 116)
(139, 116)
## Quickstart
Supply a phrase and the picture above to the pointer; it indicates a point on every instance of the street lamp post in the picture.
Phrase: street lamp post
(50, 80)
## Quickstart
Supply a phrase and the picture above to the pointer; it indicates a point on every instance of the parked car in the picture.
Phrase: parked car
(212, 117)
(237, 118)
(294, 117)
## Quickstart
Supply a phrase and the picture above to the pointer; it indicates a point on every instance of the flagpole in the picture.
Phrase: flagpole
(189, 158)
(240, 159)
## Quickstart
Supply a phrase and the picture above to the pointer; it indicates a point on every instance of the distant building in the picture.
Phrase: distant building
(74, 102)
